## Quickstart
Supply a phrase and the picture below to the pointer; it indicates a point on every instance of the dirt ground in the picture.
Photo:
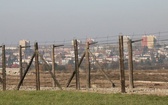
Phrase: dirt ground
(145, 81)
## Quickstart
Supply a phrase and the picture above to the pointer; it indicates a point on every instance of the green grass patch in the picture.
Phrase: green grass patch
(77, 98)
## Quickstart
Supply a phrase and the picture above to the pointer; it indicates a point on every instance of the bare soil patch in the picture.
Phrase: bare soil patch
(146, 81)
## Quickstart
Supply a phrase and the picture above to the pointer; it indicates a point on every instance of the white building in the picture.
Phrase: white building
(24, 43)
(125, 42)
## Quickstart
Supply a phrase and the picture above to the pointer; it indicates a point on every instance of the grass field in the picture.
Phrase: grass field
(77, 98)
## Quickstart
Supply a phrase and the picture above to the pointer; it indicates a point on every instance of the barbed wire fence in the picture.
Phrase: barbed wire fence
(148, 61)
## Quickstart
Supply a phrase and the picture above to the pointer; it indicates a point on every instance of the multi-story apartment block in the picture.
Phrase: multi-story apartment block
(24, 43)
(149, 41)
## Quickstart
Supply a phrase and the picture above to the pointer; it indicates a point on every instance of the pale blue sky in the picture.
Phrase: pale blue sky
(52, 20)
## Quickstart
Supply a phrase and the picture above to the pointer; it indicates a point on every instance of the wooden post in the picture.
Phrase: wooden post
(3, 67)
(76, 64)
(20, 61)
(74, 72)
(53, 64)
(52, 75)
(130, 64)
(122, 72)
(87, 66)
(21, 81)
(101, 69)
(37, 67)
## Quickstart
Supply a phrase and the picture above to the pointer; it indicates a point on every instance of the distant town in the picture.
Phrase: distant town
(147, 54)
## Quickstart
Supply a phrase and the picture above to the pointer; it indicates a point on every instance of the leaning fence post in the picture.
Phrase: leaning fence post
(74, 72)
(20, 61)
(24, 74)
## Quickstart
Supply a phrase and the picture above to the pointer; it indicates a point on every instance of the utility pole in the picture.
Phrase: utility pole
(122, 72)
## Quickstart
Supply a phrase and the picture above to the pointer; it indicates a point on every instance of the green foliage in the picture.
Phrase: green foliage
(77, 98)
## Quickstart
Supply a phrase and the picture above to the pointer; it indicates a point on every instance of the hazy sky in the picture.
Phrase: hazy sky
(53, 20)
